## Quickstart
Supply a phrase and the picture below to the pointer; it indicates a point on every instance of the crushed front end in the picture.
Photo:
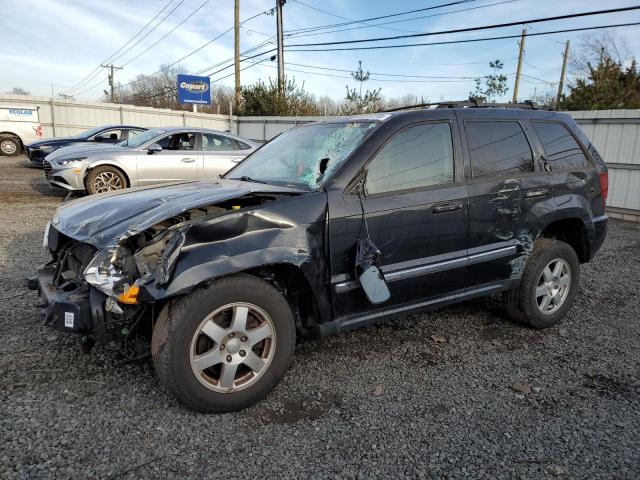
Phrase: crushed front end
(82, 288)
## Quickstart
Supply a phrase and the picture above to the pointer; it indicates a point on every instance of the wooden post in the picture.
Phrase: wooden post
(562, 74)
(519, 70)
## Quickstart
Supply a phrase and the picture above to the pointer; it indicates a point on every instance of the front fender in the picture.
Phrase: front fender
(246, 240)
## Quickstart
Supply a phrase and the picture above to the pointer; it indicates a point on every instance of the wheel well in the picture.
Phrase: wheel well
(290, 280)
(86, 173)
(572, 231)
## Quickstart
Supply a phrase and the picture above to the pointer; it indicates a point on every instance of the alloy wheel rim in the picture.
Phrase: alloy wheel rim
(232, 347)
(553, 286)
(107, 181)
(8, 147)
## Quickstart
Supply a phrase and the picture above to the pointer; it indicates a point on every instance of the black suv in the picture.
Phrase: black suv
(329, 227)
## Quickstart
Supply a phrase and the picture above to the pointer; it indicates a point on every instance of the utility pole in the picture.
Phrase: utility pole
(562, 75)
(279, 4)
(112, 79)
(237, 50)
(519, 70)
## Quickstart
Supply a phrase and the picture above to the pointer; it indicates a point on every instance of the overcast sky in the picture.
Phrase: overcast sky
(61, 42)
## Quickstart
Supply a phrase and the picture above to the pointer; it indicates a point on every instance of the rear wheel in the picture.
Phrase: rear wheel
(224, 347)
(105, 179)
(9, 145)
(548, 287)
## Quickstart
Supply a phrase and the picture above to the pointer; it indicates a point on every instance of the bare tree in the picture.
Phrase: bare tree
(19, 91)
(593, 48)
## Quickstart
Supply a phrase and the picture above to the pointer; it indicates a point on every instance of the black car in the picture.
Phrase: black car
(329, 227)
(106, 134)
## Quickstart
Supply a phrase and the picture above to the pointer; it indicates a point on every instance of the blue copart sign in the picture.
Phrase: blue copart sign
(194, 89)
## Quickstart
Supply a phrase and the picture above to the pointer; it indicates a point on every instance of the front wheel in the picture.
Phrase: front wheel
(224, 347)
(105, 179)
(548, 287)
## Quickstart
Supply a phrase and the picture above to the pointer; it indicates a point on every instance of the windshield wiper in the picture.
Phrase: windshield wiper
(245, 178)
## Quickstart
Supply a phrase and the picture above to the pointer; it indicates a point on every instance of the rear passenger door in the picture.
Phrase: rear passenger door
(219, 153)
(504, 185)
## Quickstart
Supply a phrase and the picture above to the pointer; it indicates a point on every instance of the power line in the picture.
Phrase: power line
(124, 45)
(374, 79)
(382, 74)
(473, 29)
(193, 52)
(352, 21)
(166, 34)
(303, 34)
(149, 32)
(470, 40)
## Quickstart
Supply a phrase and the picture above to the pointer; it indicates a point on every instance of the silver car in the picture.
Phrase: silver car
(156, 156)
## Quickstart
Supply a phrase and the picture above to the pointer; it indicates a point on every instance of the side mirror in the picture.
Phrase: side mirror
(99, 138)
(153, 148)
(369, 274)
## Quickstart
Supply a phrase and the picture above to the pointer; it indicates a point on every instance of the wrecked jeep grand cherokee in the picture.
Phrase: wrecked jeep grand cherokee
(328, 227)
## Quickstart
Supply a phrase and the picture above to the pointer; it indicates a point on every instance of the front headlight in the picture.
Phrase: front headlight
(69, 161)
(110, 271)
(44, 148)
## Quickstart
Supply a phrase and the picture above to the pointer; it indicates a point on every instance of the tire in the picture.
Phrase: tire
(527, 304)
(105, 179)
(179, 343)
(9, 145)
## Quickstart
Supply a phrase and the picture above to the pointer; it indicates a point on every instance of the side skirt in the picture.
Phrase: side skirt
(356, 321)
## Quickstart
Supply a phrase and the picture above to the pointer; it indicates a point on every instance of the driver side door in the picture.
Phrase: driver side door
(178, 160)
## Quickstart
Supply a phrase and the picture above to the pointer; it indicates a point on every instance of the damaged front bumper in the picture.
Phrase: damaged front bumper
(93, 315)
(75, 311)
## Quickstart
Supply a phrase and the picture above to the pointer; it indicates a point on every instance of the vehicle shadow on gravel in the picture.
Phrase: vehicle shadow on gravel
(43, 188)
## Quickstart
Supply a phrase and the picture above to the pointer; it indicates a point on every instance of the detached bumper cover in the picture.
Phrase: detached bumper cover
(70, 311)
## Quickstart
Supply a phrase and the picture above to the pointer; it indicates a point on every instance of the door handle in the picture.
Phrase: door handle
(188, 160)
(538, 192)
(447, 207)
(236, 160)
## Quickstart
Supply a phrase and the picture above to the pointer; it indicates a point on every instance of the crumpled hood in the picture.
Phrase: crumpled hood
(82, 148)
(101, 220)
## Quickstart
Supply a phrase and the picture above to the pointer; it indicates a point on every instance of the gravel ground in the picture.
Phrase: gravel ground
(428, 395)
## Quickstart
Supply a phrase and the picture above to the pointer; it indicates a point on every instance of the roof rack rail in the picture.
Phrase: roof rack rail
(472, 102)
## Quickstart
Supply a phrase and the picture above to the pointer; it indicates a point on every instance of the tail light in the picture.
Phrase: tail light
(604, 186)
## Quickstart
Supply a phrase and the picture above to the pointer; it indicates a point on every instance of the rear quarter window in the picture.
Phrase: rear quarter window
(560, 147)
(498, 148)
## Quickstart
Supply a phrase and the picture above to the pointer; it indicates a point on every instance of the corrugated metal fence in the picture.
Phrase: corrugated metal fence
(61, 118)
(616, 134)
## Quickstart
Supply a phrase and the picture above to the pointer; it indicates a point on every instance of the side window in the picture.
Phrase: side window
(241, 145)
(109, 135)
(419, 156)
(560, 148)
(178, 141)
(498, 148)
(134, 133)
(213, 143)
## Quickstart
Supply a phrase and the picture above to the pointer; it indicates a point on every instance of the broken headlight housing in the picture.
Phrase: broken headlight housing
(111, 271)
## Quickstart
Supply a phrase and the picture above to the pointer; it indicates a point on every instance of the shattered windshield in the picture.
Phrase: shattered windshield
(306, 155)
